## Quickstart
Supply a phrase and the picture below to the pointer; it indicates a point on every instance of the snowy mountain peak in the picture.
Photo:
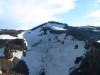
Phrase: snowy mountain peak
(56, 49)
(51, 48)
(52, 25)
(55, 26)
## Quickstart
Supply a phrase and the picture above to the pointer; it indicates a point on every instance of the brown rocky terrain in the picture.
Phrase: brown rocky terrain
(16, 66)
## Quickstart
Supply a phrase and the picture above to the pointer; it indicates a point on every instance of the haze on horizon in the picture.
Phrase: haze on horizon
(26, 14)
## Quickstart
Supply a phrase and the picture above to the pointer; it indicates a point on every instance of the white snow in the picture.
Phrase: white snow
(7, 37)
(54, 57)
(54, 24)
(21, 35)
(98, 41)
(58, 28)
(96, 30)
(1, 51)
(1, 72)
(17, 54)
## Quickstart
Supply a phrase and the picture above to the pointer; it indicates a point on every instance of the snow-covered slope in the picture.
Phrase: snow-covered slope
(53, 54)
(52, 49)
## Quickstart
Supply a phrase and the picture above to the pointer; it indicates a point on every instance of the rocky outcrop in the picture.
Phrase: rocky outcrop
(20, 67)
(15, 67)
(13, 44)
(91, 63)
(10, 65)
(11, 32)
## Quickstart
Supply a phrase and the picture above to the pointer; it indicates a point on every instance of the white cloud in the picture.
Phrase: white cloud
(93, 18)
(97, 0)
(96, 3)
(95, 14)
(29, 12)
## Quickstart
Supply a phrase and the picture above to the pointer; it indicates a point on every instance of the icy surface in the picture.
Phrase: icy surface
(7, 37)
(54, 24)
(46, 52)
(21, 35)
(58, 28)
(18, 54)
(1, 51)
(98, 41)
(53, 53)
(96, 30)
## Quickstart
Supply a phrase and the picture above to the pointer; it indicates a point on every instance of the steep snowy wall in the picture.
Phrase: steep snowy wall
(53, 54)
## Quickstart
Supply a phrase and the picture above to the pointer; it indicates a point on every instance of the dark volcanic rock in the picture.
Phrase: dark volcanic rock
(5, 65)
(91, 63)
(11, 32)
(17, 44)
(15, 67)
(78, 59)
(20, 66)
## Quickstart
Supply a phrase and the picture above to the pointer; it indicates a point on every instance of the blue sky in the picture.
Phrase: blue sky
(26, 14)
